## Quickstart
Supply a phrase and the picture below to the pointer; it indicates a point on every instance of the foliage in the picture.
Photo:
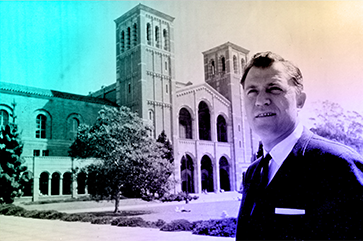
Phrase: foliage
(177, 225)
(334, 123)
(137, 222)
(131, 162)
(222, 227)
(12, 178)
(181, 196)
(162, 138)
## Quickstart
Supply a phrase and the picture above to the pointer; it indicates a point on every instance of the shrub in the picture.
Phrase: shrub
(181, 196)
(31, 214)
(10, 209)
(102, 220)
(223, 227)
(177, 225)
(159, 223)
(132, 222)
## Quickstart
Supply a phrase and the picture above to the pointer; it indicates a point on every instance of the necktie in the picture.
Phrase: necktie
(261, 179)
(263, 170)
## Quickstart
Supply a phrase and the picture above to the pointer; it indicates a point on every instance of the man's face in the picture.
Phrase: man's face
(272, 102)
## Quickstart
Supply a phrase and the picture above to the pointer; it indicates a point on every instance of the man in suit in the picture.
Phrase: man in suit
(304, 186)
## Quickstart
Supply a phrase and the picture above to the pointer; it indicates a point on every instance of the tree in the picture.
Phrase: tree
(334, 123)
(162, 138)
(130, 161)
(12, 180)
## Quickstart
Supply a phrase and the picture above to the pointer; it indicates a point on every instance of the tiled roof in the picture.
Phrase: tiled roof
(27, 90)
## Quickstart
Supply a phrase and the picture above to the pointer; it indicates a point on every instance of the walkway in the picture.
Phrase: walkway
(26, 229)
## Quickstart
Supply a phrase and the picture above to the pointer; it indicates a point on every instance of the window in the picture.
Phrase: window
(41, 126)
(122, 41)
(212, 68)
(185, 124)
(134, 34)
(36, 152)
(129, 88)
(128, 40)
(166, 39)
(242, 63)
(74, 127)
(4, 118)
(167, 88)
(148, 33)
(235, 64)
(222, 64)
(157, 37)
(221, 129)
(204, 121)
(45, 153)
(166, 65)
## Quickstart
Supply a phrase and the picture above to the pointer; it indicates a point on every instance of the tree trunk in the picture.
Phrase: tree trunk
(117, 201)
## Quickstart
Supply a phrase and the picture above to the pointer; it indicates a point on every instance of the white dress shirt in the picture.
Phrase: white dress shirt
(280, 152)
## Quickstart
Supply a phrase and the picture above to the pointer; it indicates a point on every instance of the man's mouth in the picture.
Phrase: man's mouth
(266, 114)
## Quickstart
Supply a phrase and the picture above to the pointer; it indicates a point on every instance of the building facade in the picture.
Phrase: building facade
(212, 142)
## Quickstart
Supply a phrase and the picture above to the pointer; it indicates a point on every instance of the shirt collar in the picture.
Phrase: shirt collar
(283, 149)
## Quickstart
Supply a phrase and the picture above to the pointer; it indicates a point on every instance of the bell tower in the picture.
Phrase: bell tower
(223, 69)
(145, 66)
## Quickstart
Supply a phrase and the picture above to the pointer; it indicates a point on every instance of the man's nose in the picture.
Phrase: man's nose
(262, 99)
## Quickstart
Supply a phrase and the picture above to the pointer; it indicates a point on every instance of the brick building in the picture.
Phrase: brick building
(211, 139)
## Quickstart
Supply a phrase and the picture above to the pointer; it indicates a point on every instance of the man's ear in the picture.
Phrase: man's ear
(300, 100)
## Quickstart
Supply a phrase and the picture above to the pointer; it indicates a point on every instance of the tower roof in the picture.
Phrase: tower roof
(137, 10)
(226, 45)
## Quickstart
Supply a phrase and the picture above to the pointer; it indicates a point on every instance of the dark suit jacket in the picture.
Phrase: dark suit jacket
(319, 176)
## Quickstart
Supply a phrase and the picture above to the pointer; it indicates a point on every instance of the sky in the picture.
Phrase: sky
(70, 45)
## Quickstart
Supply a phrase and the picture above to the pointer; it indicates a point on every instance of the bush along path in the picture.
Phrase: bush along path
(220, 227)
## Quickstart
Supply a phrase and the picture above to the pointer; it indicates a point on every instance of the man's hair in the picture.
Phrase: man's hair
(266, 59)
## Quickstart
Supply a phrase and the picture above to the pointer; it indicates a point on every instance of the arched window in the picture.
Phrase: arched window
(222, 64)
(73, 128)
(67, 183)
(157, 37)
(4, 118)
(212, 68)
(243, 62)
(134, 34)
(128, 39)
(122, 41)
(41, 122)
(207, 174)
(148, 33)
(224, 174)
(235, 64)
(204, 121)
(166, 39)
(221, 129)
(185, 124)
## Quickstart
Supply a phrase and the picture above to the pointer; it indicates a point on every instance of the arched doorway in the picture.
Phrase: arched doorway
(55, 183)
(224, 174)
(81, 183)
(28, 180)
(67, 183)
(44, 183)
(187, 174)
(207, 174)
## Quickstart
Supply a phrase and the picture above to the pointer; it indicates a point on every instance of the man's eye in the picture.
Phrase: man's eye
(275, 90)
(251, 92)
